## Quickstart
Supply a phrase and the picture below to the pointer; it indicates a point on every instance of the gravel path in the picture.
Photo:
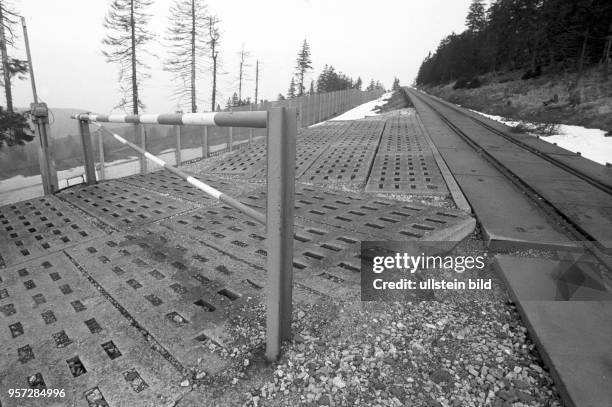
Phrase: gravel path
(463, 350)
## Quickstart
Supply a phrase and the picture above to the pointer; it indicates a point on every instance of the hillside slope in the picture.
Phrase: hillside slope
(547, 99)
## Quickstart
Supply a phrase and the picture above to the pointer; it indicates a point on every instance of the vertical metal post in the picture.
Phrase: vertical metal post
(40, 113)
(88, 157)
(101, 172)
(205, 142)
(282, 132)
(251, 129)
(177, 134)
(336, 103)
(141, 135)
(29, 55)
(230, 133)
(300, 106)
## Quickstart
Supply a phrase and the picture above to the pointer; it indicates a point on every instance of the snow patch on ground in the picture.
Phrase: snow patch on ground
(590, 143)
(361, 111)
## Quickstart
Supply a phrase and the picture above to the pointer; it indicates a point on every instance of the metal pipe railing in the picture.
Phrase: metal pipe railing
(281, 124)
(209, 190)
(256, 119)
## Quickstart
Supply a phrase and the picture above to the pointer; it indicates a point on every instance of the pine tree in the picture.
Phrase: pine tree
(303, 65)
(476, 17)
(212, 42)
(358, 83)
(291, 91)
(280, 97)
(371, 86)
(396, 84)
(312, 90)
(127, 22)
(10, 66)
(235, 100)
(14, 129)
(186, 32)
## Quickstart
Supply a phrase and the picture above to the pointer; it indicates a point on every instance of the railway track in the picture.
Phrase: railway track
(591, 191)
(565, 301)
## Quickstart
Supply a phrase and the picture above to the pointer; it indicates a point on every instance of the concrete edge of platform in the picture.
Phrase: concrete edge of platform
(453, 187)
(499, 242)
(533, 335)
(457, 232)
(555, 367)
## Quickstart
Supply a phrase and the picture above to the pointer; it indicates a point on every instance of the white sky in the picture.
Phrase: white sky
(372, 39)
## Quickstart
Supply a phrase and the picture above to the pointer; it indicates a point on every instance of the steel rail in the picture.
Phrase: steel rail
(573, 230)
(258, 216)
(585, 177)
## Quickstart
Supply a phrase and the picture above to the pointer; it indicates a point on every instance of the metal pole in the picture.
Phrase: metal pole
(29, 55)
(251, 129)
(282, 132)
(88, 157)
(205, 142)
(177, 132)
(101, 152)
(139, 132)
(231, 138)
(45, 160)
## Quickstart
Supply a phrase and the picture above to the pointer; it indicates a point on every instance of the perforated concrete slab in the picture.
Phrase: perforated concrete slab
(348, 159)
(329, 227)
(166, 182)
(58, 332)
(325, 259)
(179, 290)
(404, 161)
(384, 219)
(36, 227)
(122, 205)
(250, 162)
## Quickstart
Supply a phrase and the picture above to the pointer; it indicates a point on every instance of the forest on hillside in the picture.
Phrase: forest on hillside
(533, 36)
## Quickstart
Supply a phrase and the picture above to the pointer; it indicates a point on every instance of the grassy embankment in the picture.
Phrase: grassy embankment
(505, 94)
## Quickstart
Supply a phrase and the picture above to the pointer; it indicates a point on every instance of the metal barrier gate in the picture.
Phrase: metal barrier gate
(281, 124)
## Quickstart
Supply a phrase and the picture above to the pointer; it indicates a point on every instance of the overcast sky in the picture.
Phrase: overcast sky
(372, 39)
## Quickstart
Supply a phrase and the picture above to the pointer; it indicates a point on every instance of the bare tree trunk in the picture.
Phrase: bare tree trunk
(214, 86)
(256, 80)
(134, 80)
(5, 64)
(240, 76)
(194, 107)
(582, 56)
(606, 54)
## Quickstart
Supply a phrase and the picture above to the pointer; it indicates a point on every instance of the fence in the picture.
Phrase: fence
(281, 128)
(22, 168)
(181, 145)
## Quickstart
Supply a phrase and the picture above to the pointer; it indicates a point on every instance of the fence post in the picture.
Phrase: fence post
(205, 142)
(141, 134)
(230, 133)
(282, 132)
(251, 129)
(45, 160)
(101, 171)
(88, 157)
(177, 133)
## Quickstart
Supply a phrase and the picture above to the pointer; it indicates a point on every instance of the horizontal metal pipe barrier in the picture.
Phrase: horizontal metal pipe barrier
(258, 216)
(256, 119)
